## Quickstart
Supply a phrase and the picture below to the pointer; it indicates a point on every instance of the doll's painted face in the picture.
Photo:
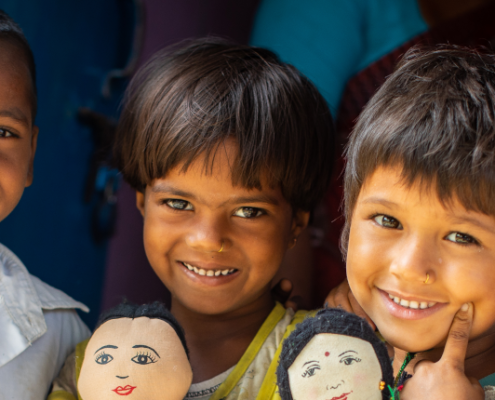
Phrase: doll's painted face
(140, 358)
(336, 367)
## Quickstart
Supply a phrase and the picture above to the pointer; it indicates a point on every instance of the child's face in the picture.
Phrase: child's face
(400, 234)
(17, 133)
(190, 216)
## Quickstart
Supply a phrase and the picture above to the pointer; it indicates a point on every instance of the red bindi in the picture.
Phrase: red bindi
(327, 353)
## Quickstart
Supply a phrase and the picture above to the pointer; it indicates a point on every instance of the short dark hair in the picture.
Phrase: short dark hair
(155, 310)
(9, 30)
(435, 118)
(188, 100)
(330, 320)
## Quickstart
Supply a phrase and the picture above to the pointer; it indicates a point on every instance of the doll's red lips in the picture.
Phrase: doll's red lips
(124, 391)
(342, 396)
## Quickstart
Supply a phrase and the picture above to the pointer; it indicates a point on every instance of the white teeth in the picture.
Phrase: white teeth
(411, 304)
(404, 303)
(210, 272)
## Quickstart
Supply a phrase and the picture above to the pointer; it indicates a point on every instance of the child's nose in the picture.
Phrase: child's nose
(209, 234)
(413, 260)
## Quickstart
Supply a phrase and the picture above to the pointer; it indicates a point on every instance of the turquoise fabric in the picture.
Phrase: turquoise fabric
(488, 380)
(331, 40)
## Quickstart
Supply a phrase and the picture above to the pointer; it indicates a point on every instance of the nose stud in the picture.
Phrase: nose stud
(221, 248)
(427, 278)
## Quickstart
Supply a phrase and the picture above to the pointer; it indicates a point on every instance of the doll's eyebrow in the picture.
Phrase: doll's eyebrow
(309, 362)
(137, 346)
(108, 346)
(348, 351)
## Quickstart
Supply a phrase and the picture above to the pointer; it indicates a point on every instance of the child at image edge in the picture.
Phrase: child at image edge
(228, 149)
(420, 221)
(38, 325)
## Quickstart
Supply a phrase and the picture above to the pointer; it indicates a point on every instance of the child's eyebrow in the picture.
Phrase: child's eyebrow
(475, 222)
(379, 200)
(15, 114)
(257, 198)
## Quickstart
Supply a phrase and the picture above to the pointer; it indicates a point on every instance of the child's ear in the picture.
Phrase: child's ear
(140, 202)
(299, 222)
(34, 144)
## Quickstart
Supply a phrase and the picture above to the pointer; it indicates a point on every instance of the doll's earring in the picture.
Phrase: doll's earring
(382, 385)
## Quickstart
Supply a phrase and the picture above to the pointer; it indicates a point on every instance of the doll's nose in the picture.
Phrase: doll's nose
(331, 387)
(122, 377)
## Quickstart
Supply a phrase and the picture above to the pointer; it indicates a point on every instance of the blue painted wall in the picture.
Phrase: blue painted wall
(75, 44)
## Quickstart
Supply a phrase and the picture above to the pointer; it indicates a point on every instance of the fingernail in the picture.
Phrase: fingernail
(465, 307)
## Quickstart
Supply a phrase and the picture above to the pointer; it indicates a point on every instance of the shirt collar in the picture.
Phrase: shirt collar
(25, 296)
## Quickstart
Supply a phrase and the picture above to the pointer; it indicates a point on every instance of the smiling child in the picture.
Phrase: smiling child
(38, 324)
(228, 149)
(420, 230)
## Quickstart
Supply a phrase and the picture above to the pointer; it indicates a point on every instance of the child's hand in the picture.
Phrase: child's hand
(342, 297)
(445, 379)
(281, 292)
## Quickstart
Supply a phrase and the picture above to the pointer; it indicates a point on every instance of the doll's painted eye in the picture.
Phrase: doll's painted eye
(310, 371)
(143, 359)
(350, 360)
(103, 359)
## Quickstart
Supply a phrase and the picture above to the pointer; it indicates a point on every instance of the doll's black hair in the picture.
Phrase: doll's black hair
(155, 310)
(330, 320)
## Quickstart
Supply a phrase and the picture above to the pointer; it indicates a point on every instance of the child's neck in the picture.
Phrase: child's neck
(479, 358)
(217, 342)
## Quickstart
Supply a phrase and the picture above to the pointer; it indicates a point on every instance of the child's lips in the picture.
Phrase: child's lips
(412, 309)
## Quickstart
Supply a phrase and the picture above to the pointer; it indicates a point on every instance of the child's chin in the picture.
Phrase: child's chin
(410, 342)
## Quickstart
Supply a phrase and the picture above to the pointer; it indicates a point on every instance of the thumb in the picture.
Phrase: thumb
(458, 338)
(282, 290)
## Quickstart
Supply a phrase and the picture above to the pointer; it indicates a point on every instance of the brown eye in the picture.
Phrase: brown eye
(178, 204)
(248, 212)
(387, 222)
(461, 238)
(4, 133)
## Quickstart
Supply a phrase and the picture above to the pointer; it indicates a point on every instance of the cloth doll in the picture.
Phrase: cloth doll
(334, 355)
(136, 351)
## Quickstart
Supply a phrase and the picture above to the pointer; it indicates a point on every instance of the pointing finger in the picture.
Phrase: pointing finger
(458, 338)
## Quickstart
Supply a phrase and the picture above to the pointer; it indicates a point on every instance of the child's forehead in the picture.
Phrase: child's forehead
(390, 185)
(217, 168)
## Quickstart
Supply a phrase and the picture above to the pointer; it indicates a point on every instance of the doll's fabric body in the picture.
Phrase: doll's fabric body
(253, 377)
(38, 329)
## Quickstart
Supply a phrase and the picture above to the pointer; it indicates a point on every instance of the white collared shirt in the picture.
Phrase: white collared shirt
(39, 328)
